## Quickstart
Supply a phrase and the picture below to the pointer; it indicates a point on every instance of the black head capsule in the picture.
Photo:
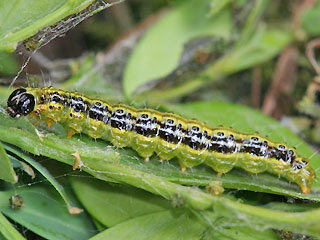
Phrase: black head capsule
(20, 103)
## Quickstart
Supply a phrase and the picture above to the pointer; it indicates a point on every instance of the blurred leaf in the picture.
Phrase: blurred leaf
(8, 64)
(99, 225)
(6, 170)
(217, 5)
(20, 20)
(22, 165)
(3, 96)
(292, 207)
(252, 21)
(7, 231)
(263, 45)
(45, 214)
(88, 77)
(180, 224)
(159, 51)
(310, 18)
(301, 222)
(164, 225)
(241, 233)
(113, 204)
(219, 228)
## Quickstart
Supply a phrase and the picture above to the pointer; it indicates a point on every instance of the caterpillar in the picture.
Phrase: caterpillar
(168, 135)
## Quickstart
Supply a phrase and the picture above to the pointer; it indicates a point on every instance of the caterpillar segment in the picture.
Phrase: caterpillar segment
(166, 134)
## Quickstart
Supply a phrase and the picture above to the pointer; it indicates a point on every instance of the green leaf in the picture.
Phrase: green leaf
(8, 64)
(7, 230)
(88, 78)
(220, 228)
(164, 225)
(63, 148)
(20, 20)
(310, 18)
(21, 165)
(253, 20)
(180, 224)
(217, 5)
(262, 46)
(6, 170)
(113, 204)
(45, 214)
(159, 51)
(301, 222)
(117, 205)
(291, 207)
(99, 225)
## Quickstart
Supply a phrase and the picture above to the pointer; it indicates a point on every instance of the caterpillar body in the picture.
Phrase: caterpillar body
(168, 135)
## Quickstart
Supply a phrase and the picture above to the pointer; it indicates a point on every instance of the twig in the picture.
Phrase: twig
(310, 54)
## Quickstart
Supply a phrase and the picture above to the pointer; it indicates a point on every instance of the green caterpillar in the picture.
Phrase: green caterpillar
(169, 135)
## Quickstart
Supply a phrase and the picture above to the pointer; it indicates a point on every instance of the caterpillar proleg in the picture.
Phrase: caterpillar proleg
(166, 134)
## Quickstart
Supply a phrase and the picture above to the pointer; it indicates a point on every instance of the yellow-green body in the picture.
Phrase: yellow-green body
(76, 122)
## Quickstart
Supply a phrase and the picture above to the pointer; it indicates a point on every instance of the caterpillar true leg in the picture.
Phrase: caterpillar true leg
(78, 160)
(219, 174)
(70, 133)
(32, 115)
(49, 122)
